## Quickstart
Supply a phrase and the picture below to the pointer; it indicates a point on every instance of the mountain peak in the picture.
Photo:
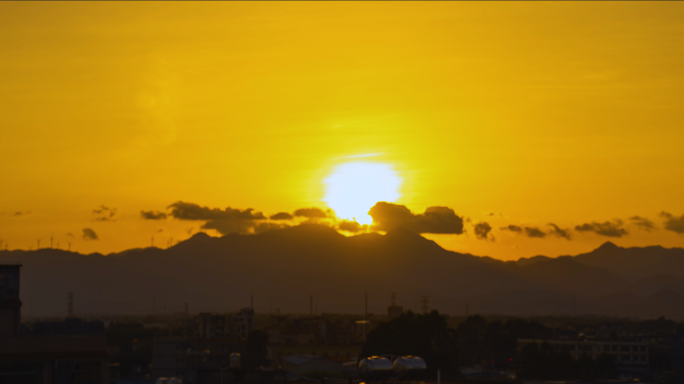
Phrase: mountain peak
(199, 236)
(608, 245)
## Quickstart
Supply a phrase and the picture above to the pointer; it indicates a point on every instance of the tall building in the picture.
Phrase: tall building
(243, 323)
(10, 305)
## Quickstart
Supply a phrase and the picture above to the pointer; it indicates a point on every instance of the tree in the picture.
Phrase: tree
(427, 336)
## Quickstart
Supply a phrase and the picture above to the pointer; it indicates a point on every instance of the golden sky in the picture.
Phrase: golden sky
(508, 113)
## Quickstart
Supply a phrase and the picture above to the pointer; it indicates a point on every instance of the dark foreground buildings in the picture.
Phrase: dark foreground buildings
(51, 356)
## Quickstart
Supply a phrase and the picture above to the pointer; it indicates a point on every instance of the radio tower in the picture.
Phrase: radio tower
(70, 308)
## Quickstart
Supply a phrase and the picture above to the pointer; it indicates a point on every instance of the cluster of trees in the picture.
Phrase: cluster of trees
(491, 345)
(427, 336)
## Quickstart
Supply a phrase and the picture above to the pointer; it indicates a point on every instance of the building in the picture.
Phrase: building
(334, 353)
(303, 364)
(238, 325)
(213, 326)
(243, 323)
(69, 326)
(629, 357)
(10, 305)
(45, 359)
(194, 360)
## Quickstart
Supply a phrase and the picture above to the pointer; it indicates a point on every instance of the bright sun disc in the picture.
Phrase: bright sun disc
(353, 188)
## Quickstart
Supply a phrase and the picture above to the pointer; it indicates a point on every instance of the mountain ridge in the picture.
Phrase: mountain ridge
(289, 265)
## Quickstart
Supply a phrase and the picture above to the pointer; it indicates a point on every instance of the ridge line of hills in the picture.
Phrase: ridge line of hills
(285, 267)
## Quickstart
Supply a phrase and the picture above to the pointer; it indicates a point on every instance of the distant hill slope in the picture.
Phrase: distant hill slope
(283, 268)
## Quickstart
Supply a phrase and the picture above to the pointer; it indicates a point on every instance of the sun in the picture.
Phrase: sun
(354, 187)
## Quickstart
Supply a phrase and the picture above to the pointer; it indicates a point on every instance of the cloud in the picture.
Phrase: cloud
(351, 226)
(643, 223)
(69, 234)
(191, 211)
(512, 228)
(387, 216)
(482, 230)
(265, 227)
(311, 213)
(153, 215)
(559, 232)
(528, 231)
(673, 223)
(281, 216)
(534, 232)
(104, 213)
(19, 213)
(607, 228)
(89, 234)
(225, 221)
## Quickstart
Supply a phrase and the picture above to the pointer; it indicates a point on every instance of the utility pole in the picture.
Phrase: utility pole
(70, 306)
(426, 304)
(574, 311)
(365, 317)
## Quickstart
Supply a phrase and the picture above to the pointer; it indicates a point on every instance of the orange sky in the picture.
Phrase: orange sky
(536, 113)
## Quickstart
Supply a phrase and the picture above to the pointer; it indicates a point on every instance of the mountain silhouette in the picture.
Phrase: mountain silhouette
(283, 268)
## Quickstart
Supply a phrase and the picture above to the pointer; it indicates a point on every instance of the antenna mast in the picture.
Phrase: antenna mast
(70, 307)
(426, 304)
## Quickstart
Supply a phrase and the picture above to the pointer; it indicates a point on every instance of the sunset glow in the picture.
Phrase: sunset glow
(353, 188)
(561, 120)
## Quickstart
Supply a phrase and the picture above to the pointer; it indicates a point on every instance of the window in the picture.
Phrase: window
(614, 348)
(625, 358)
(624, 348)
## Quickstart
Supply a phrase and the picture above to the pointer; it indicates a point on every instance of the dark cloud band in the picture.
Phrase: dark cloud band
(387, 216)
